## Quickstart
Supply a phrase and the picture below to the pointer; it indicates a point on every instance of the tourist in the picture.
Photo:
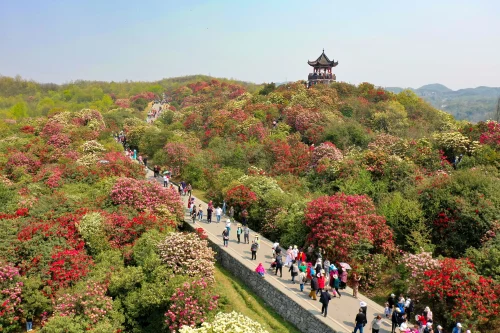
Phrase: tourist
(364, 306)
(355, 285)
(239, 231)
(225, 237)
(302, 266)
(246, 235)
(180, 189)
(318, 266)
(360, 321)
(279, 265)
(145, 161)
(343, 277)
(29, 322)
(334, 283)
(457, 329)
(189, 189)
(310, 271)
(439, 329)
(428, 314)
(135, 154)
(302, 277)
(387, 310)
(218, 213)
(391, 302)
(409, 305)
(321, 281)
(200, 213)
(294, 269)
(209, 214)
(395, 319)
(140, 159)
(324, 299)
(224, 206)
(428, 328)
(193, 214)
(289, 255)
(253, 248)
(165, 181)
(403, 326)
(376, 324)
(301, 257)
(244, 216)
(260, 270)
(421, 321)
(326, 267)
(274, 247)
(295, 252)
(228, 226)
(231, 213)
(314, 287)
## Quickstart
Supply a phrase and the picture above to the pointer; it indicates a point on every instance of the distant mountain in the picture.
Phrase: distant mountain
(473, 104)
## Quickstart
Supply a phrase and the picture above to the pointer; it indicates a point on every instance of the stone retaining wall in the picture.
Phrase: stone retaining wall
(304, 320)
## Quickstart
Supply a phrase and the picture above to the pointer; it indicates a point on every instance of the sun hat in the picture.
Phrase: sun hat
(440, 327)
(429, 324)
(361, 304)
(295, 247)
(459, 325)
(392, 295)
(398, 310)
(228, 220)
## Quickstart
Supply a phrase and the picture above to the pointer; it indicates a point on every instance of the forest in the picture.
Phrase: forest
(404, 192)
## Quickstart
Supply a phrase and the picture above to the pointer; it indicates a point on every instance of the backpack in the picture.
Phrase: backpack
(254, 247)
(313, 272)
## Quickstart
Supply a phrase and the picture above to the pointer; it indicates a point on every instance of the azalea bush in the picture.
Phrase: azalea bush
(233, 322)
(340, 222)
(188, 254)
(462, 295)
(10, 297)
(143, 195)
(190, 305)
(88, 306)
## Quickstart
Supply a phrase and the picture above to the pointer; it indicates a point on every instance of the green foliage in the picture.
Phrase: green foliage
(68, 324)
(404, 216)
(267, 89)
(487, 258)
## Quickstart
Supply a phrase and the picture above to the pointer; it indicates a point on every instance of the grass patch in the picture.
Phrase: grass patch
(236, 296)
(199, 194)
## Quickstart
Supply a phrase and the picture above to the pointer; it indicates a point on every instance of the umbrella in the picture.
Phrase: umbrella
(166, 172)
(345, 265)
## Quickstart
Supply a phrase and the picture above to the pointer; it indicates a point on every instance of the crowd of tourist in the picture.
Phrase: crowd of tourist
(306, 266)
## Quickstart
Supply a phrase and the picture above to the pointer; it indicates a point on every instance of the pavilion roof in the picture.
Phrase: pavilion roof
(323, 60)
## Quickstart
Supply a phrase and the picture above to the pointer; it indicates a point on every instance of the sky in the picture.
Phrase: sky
(385, 42)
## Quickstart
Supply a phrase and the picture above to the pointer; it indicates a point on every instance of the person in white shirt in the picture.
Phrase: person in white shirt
(218, 214)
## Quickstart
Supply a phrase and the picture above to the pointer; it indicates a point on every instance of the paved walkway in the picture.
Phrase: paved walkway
(341, 311)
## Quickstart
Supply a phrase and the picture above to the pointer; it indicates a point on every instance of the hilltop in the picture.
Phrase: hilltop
(473, 104)
(371, 177)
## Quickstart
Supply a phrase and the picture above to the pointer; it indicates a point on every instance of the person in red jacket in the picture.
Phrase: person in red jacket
(321, 282)
(301, 257)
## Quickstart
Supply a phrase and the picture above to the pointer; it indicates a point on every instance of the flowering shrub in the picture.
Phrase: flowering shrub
(492, 134)
(468, 297)
(89, 306)
(341, 222)
(10, 297)
(417, 265)
(69, 266)
(326, 151)
(187, 253)
(142, 195)
(240, 197)
(59, 141)
(178, 155)
(290, 156)
(27, 161)
(190, 305)
(227, 323)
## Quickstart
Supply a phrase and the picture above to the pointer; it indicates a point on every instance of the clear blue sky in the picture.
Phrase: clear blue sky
(386, 42)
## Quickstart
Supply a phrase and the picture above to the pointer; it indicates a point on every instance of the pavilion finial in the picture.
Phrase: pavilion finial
(323, 50)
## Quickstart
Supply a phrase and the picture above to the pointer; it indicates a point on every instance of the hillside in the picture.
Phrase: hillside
(473, 104)
(371, 177)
